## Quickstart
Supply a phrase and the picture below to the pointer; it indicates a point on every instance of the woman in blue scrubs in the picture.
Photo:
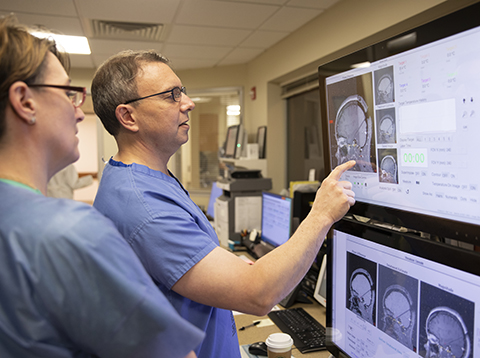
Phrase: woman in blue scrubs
(70, 286)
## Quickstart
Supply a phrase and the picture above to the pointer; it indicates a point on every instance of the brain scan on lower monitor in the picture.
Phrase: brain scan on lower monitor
(446, 323)
(361, 288)
(389, 299)
(397, 308)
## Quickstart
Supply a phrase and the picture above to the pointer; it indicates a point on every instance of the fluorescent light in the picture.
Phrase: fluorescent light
(233, 110)
(71, 44)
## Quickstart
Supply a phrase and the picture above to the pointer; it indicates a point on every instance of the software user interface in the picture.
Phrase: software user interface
(412, 123)
(390, 303)
(276, 218)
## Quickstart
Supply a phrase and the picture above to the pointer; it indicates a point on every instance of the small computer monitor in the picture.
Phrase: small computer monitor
(262, 140)
(231, 141)
(320, 293)
(214, 194)
(276, 218)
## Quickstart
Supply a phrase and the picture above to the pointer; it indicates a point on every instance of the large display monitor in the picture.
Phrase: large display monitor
(276, 218)
(398, 295)
(408, 111)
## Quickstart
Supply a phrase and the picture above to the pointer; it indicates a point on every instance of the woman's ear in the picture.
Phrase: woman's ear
(126, 116)
(22, 101)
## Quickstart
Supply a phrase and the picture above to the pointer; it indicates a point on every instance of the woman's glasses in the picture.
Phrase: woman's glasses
(76, 94)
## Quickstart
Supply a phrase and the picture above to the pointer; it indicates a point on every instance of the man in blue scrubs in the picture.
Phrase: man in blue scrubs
(143, 104)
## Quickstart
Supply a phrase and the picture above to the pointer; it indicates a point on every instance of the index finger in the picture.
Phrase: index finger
(338, 171)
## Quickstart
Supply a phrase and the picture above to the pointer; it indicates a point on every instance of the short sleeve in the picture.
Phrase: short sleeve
(170, 244)
(94, 288)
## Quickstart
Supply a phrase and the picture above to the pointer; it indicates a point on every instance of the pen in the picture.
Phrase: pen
(250, 325)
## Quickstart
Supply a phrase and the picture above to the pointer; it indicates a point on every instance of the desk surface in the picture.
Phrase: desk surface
(256, 334)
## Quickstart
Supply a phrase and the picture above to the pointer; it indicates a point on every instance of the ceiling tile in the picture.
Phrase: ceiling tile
(45, 7)
(263, 39)
(207, 35)
(313, 4)
(194, 51)
(190, 63)
(240, 55)
(196, 33)
(289, 19)
(111, 47)
(224, 14)
(130, 11)
(64, 25)
(269, 2)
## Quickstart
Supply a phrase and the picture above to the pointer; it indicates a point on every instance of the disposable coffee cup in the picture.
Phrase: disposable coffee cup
(279, 345)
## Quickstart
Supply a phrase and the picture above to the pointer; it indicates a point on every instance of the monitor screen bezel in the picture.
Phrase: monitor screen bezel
(229, 140)
(321, 282)
(283, 197)
(455, 257)
(261, 141)
(448, 25)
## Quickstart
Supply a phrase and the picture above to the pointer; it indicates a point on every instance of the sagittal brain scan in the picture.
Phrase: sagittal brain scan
(386, 126)
(362, 294)
(446, 324)
(353, 133)
(388, 166)
(384, 85)
(399, 315)
(361, 287)
(447, 335)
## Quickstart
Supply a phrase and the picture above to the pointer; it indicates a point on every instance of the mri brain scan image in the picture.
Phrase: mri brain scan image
(384, 86)
(388, 169)
(447, 335)
(386, 129)
(385, 89)
(399, 315)
(353, 133)
(362, 294)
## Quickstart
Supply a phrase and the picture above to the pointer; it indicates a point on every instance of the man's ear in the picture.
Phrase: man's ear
(22, 101)
(126, 117)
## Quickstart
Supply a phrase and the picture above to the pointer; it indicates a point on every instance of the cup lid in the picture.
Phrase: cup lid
(279, 340)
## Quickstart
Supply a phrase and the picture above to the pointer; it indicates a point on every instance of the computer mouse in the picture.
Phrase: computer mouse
(258, 349)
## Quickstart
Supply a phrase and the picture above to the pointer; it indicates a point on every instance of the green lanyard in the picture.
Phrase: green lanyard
(20, 185)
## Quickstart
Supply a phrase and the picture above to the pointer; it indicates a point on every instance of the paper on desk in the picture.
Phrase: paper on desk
(246, 259)
(248, 211)
(275, 308)
(265, 322)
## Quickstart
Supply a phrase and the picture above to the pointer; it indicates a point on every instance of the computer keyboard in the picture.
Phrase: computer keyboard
(307, 333)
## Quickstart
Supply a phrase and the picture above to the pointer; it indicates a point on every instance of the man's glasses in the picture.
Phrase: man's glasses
(176, 94)
(76, 94)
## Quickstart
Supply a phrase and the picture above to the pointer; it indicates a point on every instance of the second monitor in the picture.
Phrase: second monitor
(276, 218)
